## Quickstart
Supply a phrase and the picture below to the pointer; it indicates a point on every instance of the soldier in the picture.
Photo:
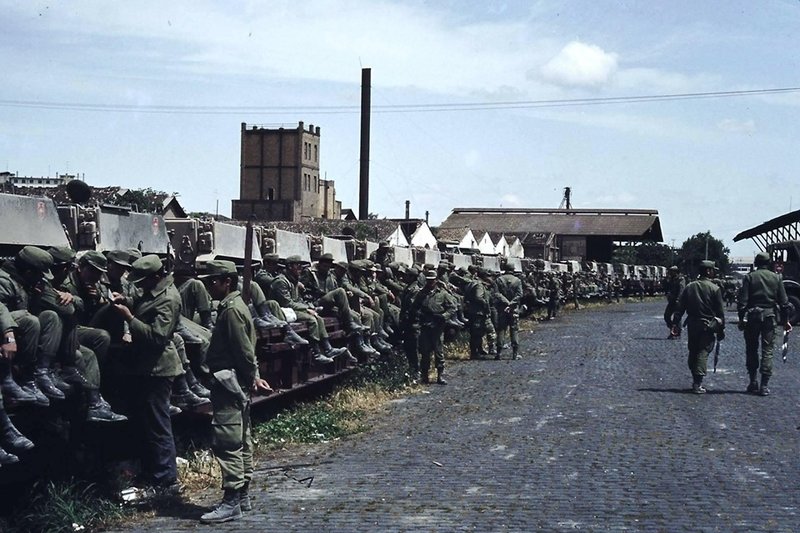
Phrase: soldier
(409, 322)
(478, 310)
(435, 308)
(617, 288)
(507, 297)
(38, 335)
(151, 363)
(284, 290)
(554, 297)
(675, 285)
(762, 306)
(701, 300)
(10, 435)
(232, 350)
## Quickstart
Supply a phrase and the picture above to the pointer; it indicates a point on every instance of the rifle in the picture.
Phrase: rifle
(716, 356)
(785, 347)
(247, 272)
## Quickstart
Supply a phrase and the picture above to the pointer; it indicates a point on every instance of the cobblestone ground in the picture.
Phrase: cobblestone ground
(594, 430)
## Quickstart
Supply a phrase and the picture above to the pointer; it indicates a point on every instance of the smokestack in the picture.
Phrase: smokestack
(408, 209)
(363, 195)
(426, 217)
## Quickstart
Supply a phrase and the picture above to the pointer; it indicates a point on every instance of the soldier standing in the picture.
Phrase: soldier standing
(435, 309)
(233, 350)
(676, 283)
(761, 298)
(507, 297)
(478, 310)
(701, 300)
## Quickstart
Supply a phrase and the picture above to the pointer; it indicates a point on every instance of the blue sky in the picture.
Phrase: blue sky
(721, 164)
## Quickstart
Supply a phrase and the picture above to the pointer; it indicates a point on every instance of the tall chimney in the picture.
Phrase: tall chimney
(426, 216)
(408, 209)
(363, 195)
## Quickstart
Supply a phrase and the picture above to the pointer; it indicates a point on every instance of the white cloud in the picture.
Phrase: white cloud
(732, 125)
(581, 65)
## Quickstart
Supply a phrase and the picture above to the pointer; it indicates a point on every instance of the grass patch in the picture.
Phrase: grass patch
(67, 506)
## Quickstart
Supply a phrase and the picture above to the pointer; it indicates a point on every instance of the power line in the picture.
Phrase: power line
(388, 108)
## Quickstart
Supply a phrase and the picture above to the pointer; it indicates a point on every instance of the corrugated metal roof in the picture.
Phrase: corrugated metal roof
(619, 224)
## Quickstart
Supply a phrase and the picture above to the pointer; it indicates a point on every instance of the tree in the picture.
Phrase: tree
(654, 253)
(694, 249)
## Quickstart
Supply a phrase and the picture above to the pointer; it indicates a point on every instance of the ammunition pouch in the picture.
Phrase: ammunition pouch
(226, 378)
(755, 316)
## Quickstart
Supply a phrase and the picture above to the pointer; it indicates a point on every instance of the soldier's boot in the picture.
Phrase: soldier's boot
(388, 329)
(474, 351)
(330, 351)
(379, 344)
(71, 375)
(183, 397)
(764, 390)
(244, 498)
(186, 334)
(515, 351)
(697, 385)
(291, 337)
(319, 357)
(424, 376)
(498, 351)
(100, 410)
(59, 382)
(440, 376)
(7, 458)
(228, 509)
(12, 392)
(361, 348)
(11, 436)
(752, 388)
(195, 386)
(29, 386)
(45, 384)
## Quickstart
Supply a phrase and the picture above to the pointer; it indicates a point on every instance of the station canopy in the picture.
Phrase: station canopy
(783, 228)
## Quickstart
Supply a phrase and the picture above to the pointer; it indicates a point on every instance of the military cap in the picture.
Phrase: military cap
(443, 264)
(218, 268)
(707, 264)
(412, 272)
(36, 259)
(430, 274)
(295, 259)
(270, 258)
(673, 269)
(428, 266)
(383, 244)
(508, 267)
(144, 267)
(325, 258)
(62, 255)
(95, 260)
(762, 258)
(120, 257)
(342, 264)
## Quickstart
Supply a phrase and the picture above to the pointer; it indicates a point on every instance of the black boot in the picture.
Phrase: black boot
(7, 458)
(183, 397)
(752, 388)
(424, 376)
(697, 385)
(71, 375)
(244, 498)
(291, 337)
(99, 410)
(42, 378)
(12, 392)
(195, 386)
(11, 436)
(764, 390)
(440, 376)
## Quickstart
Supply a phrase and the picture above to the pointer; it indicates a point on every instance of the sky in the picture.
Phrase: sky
(152, 94)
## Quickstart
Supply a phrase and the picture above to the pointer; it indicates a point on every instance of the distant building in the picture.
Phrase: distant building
(13, 178)
(279, 176)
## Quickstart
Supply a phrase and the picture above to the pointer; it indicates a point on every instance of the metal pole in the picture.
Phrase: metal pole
(363, 196)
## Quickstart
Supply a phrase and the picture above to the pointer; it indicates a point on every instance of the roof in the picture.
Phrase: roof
(618, 224)
(768, 232)
(372, 229)
(451, 235)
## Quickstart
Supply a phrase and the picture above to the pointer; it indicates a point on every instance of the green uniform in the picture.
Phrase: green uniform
(507, 297)
(477, 308)
(762, 298)
(287, 295)
(676, 285)
(701, 300)
(233, 347)
(435, 308)
(195, 301)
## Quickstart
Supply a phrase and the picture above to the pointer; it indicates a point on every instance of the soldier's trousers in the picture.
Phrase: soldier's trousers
(508, 321)
(316, 326)
(40, 338)
(92, 354)
(431, 342)
(552, 308)
(762, 334)
(148, 397)
(701, 343)
(232, 441)
(337, 298)
(479, 327)
(668, 312)
(411, 347)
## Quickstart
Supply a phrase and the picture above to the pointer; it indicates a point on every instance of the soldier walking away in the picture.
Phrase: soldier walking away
(701, 300)
(231, 359)
(762, 304)
(675, 285)
(507, 297)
